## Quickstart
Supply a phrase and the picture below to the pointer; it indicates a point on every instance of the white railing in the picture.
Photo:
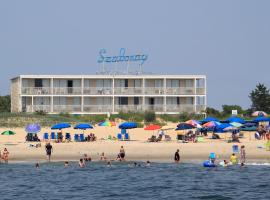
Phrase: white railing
(128, 90)
(126, 108)
(200, 108)
(36, 90)
(155, 108)
(66, 108)
(34, 108)
(154, 90)
(97, 108)
(97, 91)
(67, 90)
(180, 108)
(200, 91)
(180, 91)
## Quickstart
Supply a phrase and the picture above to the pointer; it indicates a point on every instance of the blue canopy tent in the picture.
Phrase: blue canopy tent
(184, 126)
(236, 119)
(209, 119)
(220, 128)
(33, 128)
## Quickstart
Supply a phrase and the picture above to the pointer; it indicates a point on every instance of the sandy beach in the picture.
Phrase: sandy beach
(136, 149)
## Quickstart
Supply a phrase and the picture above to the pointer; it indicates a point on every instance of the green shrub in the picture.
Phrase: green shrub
(149, 116)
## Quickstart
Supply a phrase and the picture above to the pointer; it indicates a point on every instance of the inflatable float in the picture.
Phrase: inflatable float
(207, 163)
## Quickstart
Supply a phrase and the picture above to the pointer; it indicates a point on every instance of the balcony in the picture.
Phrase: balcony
(200, 108)
(128, 90)
(34, 108)
(67, 90)
(66, 108)
(200, 91)
(180, 108)
(180, 91)
(154, 108)
(154, 90)
(97, 108)
(97, 91)
(36, 90)
(126, 108)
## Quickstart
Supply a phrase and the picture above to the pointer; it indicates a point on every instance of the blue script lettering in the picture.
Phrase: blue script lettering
(121, 58)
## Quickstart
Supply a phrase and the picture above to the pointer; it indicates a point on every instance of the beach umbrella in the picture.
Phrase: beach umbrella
(262, 119)
(61, 126)
(167, 127)
(184, 126)
(8, 133)
(128, 125)
(230, 128)
(33, 128)
(107, 123)
(211, 124)
(194, 123)
(236, 119)
(236, 124)
(259, 114)
(152, 127)
(209, 119)
(83, 126)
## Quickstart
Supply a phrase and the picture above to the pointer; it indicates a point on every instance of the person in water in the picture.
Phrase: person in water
(148, 163)
(109, 164)
(5, 155)
(102, 156)
(49, 149)
(234, 159)
(37, 166)
(81, 163)
(86, 158)
(177, 156)
(66, 164)
(243, 155)
(122, 154)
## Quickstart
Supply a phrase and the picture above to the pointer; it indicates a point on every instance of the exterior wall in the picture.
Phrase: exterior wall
(15, 95)
(100, 93)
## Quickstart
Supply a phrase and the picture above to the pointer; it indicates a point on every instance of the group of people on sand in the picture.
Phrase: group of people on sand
(4, 155)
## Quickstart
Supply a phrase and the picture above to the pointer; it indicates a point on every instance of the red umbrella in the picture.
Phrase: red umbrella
(152, 127)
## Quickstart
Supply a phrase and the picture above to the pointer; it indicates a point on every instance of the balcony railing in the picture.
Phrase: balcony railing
(97, 108)
(97, 91)
(36, 90)
(180, 108)
(154, 90)
(67, 90)
(200, 91)
(200, 108)
(154, 108)
(126, 108)
(128, 90)
(34, 108)
(66, 108)
(180, 91)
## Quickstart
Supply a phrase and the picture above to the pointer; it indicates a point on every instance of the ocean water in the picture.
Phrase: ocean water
(124, 181)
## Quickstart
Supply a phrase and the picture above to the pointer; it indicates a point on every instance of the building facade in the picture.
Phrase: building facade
(97, 94)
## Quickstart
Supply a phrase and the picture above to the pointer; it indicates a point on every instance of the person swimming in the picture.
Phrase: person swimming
(148, 163)
(109, 164)
(66, 163)
(37, 166)
(81, 163)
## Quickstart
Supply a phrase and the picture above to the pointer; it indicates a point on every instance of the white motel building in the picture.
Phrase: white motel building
(102, 94)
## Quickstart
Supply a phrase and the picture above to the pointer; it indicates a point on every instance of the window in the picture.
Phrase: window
(123, 100)
(136, 101)
(38, 83)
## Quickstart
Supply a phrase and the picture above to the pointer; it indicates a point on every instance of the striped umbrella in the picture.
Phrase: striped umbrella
(107, 123)
(211, 124)
(194, 123)
(236, 124)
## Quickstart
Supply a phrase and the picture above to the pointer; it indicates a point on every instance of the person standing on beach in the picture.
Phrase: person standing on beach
(49, 148)
(243, 155)
(177, 156)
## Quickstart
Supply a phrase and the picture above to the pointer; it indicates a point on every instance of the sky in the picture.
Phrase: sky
(228, 41)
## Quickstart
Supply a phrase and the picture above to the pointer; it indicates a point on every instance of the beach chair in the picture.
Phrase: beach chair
(76, 137)
(53, 136)
(152, 138)
(68, 137)
(235, 148)
(119, 136)
(167, 138)
(126, 136)
(81, 137)
(46, 136)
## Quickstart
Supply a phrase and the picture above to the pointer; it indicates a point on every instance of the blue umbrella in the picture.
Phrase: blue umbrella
(83, 126)
(236, 119)
(262, 119)
(33, 128)
(220, 128)
(128, 125)
(61, 126)
(209, 119)
(184, 126)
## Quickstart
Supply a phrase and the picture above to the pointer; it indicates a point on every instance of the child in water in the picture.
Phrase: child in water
(234, 159)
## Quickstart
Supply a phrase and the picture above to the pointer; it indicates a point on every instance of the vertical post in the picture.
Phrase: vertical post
(195, 96)
(113, 95)
(205, 93)
(165, 97)
(82, 95)
(52, 93)
(32, 104)
(143, 91)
